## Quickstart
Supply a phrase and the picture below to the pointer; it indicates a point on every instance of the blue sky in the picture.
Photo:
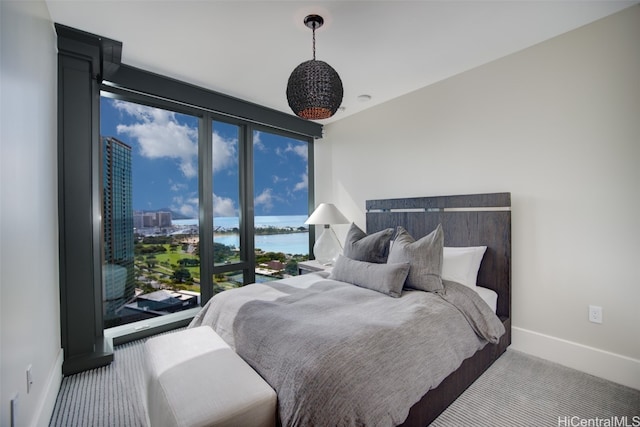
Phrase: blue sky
(165, 162)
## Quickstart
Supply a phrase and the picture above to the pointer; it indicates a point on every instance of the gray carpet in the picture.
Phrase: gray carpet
(517, 390)
(521, 390)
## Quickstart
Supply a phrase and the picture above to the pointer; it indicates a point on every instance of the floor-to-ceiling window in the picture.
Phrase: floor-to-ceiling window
(232, 262)
(144, 194)
(150, 235)
(281, 204)
(151, 230)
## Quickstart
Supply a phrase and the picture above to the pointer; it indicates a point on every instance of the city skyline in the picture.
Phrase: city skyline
(164, 147)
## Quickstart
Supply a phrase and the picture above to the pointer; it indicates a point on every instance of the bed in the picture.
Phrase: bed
(339, 354)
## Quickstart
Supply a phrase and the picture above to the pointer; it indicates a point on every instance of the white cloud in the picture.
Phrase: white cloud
(300, 149)
(303, 184)
(188, 169)
(277, 179)
(257, 141)
(265, 199)
(176, 186)
(223, 206)
(224, 152)
(160, 135)
(186, 206)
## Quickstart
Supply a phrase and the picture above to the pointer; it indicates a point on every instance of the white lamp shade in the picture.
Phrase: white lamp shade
(327, 248)
(326, 213)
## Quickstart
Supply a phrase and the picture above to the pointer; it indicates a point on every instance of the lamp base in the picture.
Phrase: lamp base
(327, 248)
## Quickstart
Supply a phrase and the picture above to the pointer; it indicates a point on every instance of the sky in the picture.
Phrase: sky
(165, 162)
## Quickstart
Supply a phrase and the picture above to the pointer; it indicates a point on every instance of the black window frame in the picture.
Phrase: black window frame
(87, 65)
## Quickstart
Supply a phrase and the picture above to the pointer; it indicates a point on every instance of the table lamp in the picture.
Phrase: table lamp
(327, 247)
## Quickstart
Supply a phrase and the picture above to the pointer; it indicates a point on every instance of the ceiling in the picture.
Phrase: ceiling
(383, 49)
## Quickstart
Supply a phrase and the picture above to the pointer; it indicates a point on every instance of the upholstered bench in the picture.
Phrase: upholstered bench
(193, 378)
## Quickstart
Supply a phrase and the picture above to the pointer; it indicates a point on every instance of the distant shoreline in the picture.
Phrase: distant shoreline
(262, 231)
(287, 233)
(287, 243)
(264, 221)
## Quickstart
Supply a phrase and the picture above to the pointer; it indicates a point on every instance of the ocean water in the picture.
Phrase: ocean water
(293, 243)
(289, 243)
(260, 221)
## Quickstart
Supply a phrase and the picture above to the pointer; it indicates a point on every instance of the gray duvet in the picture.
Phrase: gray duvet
(341, 355)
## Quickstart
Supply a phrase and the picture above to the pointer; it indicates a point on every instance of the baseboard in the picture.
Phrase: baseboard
(52, 386)
(610, 366)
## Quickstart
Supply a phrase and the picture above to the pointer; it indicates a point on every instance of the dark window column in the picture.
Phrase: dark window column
(80, 65)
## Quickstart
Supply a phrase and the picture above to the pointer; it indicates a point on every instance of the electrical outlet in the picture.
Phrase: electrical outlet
(29, 379)
(595, 314)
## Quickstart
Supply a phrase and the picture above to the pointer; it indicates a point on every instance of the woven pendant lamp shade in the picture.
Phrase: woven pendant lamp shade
(314, 89)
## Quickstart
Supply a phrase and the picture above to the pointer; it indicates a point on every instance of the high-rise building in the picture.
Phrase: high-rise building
(138, 219)
(143, 219)
(149, 219)
(164, 219)
(117, 220)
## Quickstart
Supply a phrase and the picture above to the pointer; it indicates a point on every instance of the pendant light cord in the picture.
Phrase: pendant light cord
(314, 40)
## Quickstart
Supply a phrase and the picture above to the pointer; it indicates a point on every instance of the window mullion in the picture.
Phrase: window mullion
(311, 190)
(205, 173)
(247, 230)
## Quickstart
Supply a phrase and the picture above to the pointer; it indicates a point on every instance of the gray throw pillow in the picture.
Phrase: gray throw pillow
(361, 246)
(385, 278)
(424, 255)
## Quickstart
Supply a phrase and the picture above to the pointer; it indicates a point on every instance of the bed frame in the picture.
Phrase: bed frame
(469, 220)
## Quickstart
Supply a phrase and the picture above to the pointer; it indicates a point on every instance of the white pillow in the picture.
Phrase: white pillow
(462, 264)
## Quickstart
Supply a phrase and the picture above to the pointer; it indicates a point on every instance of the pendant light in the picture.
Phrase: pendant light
(314, 90)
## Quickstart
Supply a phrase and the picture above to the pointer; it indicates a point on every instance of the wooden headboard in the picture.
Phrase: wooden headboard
(469, 220)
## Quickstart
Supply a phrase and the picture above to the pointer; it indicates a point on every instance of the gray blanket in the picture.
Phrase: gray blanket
(341, 355)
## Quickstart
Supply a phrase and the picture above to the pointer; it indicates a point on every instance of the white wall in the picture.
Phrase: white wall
(558, 126)
(29, 293)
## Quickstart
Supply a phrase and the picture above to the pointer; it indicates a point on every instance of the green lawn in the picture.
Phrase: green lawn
(173, 258)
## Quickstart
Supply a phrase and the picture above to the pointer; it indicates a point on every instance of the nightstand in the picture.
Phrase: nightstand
(305, 267)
